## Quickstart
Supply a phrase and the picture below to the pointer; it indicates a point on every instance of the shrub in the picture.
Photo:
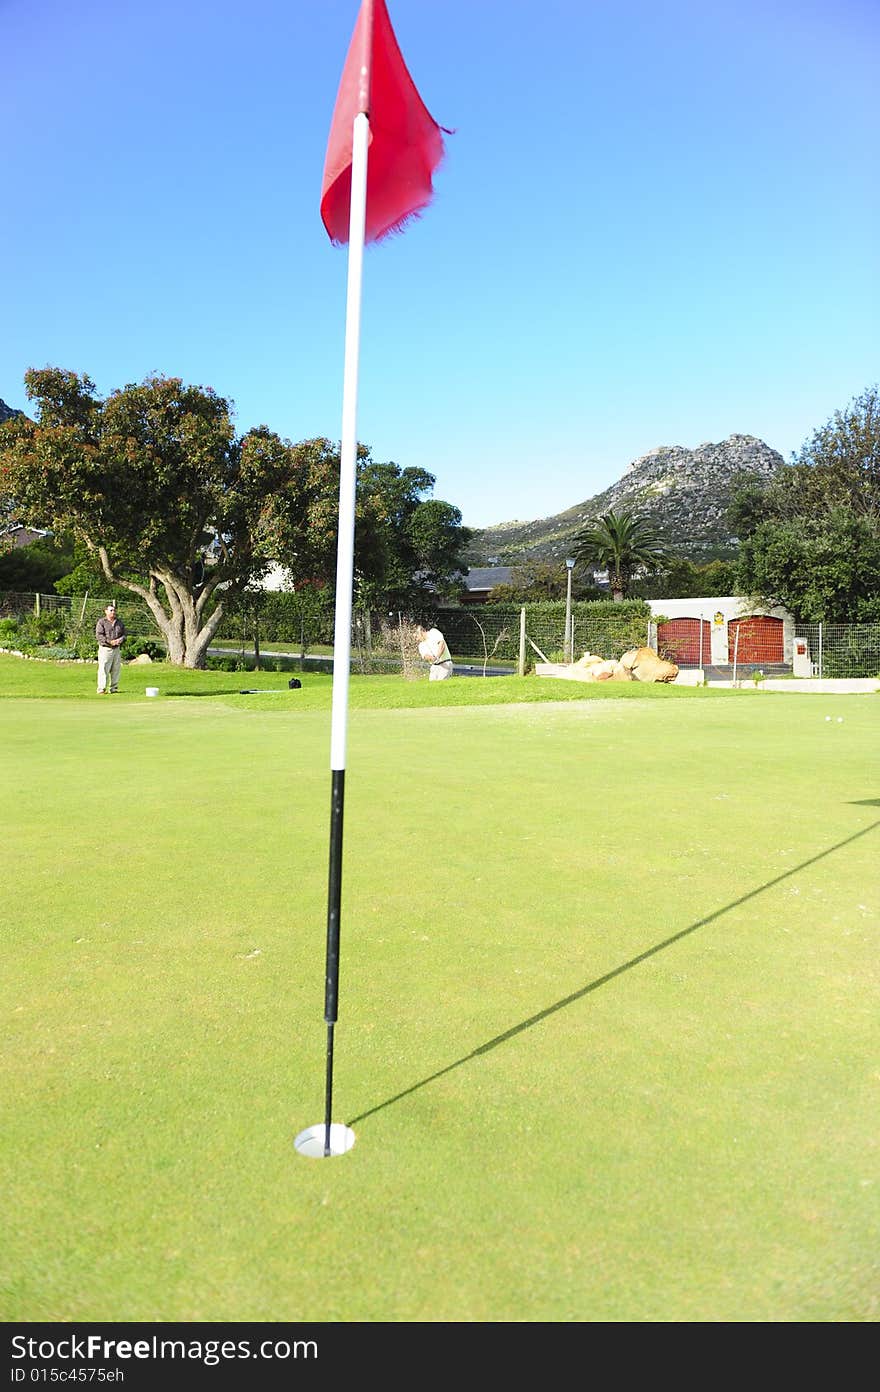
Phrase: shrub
(41, 630)
(55, 653)
(85, 646)
(135, 647)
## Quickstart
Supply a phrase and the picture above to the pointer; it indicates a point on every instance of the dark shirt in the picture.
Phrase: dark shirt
(105, 629)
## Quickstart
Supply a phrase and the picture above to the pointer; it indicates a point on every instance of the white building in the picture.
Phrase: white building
(718, 631)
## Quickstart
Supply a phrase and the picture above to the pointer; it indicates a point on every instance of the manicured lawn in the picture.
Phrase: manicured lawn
(608, 1002)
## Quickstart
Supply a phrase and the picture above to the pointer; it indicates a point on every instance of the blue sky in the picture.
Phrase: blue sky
(656, 224)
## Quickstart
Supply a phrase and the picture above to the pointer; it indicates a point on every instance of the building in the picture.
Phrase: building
(722, 630)
(19, 535)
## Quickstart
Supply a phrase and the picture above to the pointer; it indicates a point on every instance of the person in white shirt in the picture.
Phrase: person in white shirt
(432, 647)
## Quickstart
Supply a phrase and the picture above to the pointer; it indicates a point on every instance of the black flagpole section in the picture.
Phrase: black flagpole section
(334, 898)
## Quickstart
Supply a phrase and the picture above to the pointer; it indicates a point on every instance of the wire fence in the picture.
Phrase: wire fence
(84, 610)
(841, 650)
(512, 638)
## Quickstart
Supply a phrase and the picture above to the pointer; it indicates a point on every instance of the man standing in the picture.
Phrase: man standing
(432, 647)
(110, 633)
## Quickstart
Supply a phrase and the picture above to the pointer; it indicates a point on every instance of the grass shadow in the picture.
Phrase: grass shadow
(600, 981)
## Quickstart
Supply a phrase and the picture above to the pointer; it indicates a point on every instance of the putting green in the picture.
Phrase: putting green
(608, 1002)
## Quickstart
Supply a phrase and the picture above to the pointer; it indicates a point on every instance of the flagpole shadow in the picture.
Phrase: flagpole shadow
(600, 981)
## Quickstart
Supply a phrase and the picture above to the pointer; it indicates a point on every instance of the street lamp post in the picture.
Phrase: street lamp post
(567, 646)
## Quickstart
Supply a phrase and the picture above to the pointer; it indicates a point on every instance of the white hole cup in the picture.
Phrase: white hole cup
(152, 691)
(311, 1141)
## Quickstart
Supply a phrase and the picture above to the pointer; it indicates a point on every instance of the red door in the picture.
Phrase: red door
(679, 642)
(760, 639)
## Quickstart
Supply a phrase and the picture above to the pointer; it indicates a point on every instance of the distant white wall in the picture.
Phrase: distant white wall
(277, 578)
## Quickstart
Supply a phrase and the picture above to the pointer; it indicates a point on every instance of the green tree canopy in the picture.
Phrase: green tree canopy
(622, 543)
(156, 485)
(680, 578)
(37, 567)
(407, 545)
(811, 539)
(536, 580)
(168, 502)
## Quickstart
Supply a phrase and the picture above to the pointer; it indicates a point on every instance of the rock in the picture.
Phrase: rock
(141, 660)
(645, 665)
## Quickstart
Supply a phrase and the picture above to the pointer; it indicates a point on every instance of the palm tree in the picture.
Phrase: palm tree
(621, 543)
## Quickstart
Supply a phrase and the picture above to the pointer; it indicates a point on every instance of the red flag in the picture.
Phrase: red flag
(405, 141)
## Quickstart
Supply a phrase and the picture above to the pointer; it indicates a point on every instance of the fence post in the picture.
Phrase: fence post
(37, 605)
(820, 650)
(402, 647)
(521, 665)
(735, 653)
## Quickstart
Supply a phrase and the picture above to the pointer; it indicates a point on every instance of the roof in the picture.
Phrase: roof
(22, 534)
(487, 577)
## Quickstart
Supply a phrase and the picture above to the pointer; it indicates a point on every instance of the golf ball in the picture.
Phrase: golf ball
(840, 720)
(828, 717)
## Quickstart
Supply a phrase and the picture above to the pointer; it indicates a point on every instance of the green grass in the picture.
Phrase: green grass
(608, 1002)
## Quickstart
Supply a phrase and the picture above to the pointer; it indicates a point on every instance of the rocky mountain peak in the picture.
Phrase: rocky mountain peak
(685, 493)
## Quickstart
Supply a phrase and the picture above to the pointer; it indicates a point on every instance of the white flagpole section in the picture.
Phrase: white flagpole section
(344, 586)
(348, 460)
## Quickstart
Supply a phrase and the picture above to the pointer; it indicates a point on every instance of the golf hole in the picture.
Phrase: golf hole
(311, 1141)
(152, 691)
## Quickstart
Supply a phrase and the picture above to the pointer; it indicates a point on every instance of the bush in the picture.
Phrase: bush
(41, 630)
(135, 647)
(8, 633)
(54, 653)
(85, 646)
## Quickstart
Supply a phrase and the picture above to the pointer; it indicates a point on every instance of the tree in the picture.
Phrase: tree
(536, 580)
(811, 541)
(680, 578)
(171, 505)
(621, 543)
(156, 485)
(35, 567)
(406, 547)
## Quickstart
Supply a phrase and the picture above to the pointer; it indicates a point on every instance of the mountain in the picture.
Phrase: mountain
(685, 493)
(6, 412)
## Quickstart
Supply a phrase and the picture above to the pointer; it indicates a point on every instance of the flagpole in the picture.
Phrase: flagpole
(344, 588)
(410, 148)
(345, 551)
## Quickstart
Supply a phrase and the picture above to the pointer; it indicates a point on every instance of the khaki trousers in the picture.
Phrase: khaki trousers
(109, 666)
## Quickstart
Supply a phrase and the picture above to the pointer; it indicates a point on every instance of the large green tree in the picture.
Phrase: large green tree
(169, 503)
(811, 540)
(680, 578)
(157, 486)
(623, 543)
(407, 545)
(35, 568)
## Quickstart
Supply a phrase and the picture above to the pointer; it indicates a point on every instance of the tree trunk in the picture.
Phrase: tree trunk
(186, 638)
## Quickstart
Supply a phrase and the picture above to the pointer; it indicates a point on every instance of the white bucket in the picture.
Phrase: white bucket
(152, 691)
